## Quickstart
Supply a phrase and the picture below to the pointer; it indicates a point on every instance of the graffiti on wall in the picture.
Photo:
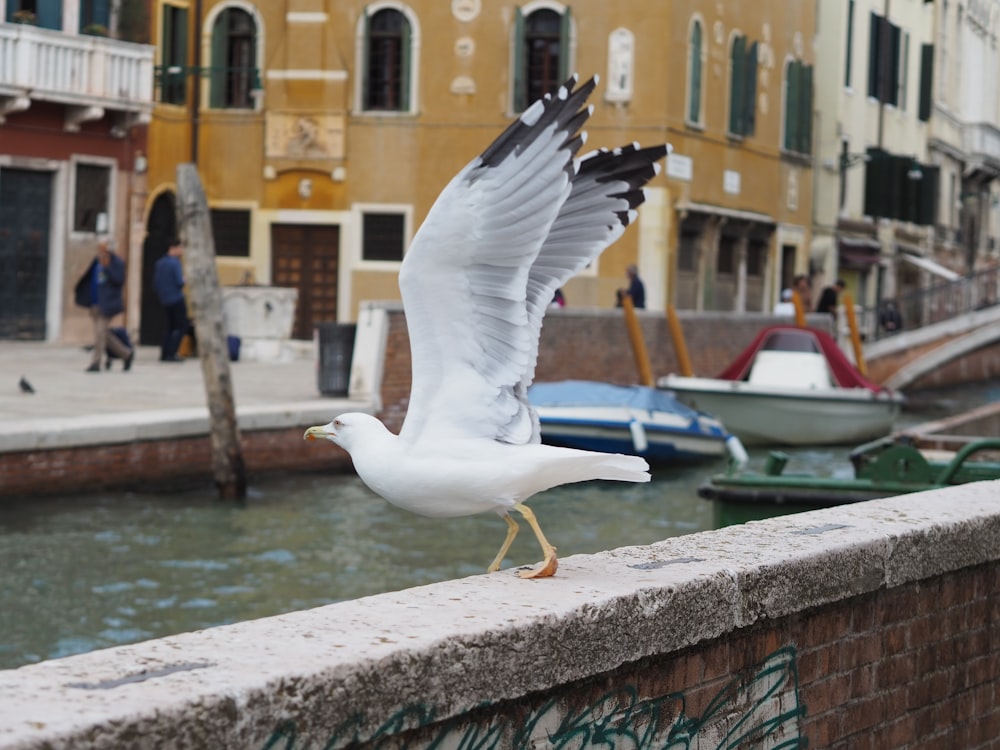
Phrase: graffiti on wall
(759, 709)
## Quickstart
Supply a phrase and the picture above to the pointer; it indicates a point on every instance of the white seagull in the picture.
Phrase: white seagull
(512, 227)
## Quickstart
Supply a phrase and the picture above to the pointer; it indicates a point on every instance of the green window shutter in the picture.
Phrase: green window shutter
(891, 91)
(520, 79)
(405, 66)
(694, 83)
(219, 61)
(874, 54)
(805, 108)
(167, 38)
(929, 184)
(48, 13)
(736, 83)
(180, 30)
(876, 179)
(901, 189)
(750, 92)
(167, 55)
(926, 80)
(565, 30)
(366, 60)
(792, 105)
(849, 44)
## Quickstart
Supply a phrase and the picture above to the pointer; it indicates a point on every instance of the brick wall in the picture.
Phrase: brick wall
(157, 463)
(915, 666)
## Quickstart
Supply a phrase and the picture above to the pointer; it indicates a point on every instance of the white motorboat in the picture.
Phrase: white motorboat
(792, 386)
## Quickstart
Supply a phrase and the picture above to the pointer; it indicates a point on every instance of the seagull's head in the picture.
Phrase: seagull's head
(347, 430)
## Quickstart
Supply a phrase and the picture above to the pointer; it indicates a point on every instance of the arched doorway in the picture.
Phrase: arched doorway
(161, 228)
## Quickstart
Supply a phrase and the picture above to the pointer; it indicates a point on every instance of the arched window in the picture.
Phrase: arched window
(234, 60)
(387, 62)
(542, 54)
(694, 73)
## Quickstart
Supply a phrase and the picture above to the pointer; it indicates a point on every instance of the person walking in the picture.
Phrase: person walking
(829, 298)
(636, 289)
(168, 282)
(100, 291)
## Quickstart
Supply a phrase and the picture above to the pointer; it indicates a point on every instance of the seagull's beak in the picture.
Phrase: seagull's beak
(318, 433)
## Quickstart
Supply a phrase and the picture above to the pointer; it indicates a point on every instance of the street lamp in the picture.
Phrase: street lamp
(848, 160)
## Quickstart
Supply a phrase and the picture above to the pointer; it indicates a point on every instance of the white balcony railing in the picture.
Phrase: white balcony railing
(79, 70)
(982, 140)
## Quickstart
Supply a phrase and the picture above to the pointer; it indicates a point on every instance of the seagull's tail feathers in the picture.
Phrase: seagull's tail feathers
(618, 467)
(569, 465)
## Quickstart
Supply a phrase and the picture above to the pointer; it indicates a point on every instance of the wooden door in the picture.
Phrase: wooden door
(304, 256)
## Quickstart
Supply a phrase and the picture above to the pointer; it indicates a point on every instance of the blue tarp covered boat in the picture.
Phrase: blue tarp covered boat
(625, 419)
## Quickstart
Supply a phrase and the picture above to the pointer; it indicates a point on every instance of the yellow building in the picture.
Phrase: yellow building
(324, 131)
(740, 177)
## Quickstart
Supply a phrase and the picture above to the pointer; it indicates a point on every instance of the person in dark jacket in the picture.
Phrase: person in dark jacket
(168, 281)
(830, 298)
(100, 291)
(636, 289)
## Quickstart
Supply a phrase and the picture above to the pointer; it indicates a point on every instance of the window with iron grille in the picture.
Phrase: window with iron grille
(231, 232)
(388, 62)
(234, 60)
(687, 252)
(541, 54)
(92, 189)
(383, 236)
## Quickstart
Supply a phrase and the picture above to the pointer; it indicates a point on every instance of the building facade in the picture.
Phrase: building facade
(74, 100)
(739, 182)
(964, 138)
(323, 132)
(878, 185)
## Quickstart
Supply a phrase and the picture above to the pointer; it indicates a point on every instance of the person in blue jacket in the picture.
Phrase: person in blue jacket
(100, 291)
(168, 281)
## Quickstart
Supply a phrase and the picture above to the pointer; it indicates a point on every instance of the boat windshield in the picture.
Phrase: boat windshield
(791, 341)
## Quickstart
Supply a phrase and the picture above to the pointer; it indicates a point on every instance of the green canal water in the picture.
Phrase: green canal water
(91, 571)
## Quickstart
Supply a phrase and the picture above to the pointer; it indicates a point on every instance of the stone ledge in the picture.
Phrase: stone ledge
(453, 646)
(164, 424)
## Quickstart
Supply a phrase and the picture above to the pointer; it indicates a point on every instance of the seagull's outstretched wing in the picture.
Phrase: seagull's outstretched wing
(464, 279)
(606, 190)
(510, 229)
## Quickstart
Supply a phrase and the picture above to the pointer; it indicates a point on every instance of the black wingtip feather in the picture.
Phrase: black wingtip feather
(565, 107)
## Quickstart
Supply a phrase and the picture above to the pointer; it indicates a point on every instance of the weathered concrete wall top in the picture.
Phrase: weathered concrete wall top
(376, 666)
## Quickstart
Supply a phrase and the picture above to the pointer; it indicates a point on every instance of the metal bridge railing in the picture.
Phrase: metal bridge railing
(935, 303)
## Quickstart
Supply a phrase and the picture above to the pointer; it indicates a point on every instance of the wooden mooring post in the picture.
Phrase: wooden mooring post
(202, 279)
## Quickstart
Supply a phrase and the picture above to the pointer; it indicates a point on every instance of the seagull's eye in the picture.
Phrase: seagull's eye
(337, 423)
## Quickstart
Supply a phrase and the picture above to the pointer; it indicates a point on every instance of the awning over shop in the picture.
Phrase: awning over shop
(857, 252)
(929, 265)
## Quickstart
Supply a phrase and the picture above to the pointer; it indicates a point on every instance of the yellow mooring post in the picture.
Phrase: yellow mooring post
(800, 313)
(638, 343)
(680, 346)
(852, 324)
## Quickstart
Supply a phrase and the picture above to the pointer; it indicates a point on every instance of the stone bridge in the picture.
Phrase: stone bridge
(958, 350)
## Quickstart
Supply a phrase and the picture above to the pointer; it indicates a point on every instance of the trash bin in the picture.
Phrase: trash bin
(336, 348)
